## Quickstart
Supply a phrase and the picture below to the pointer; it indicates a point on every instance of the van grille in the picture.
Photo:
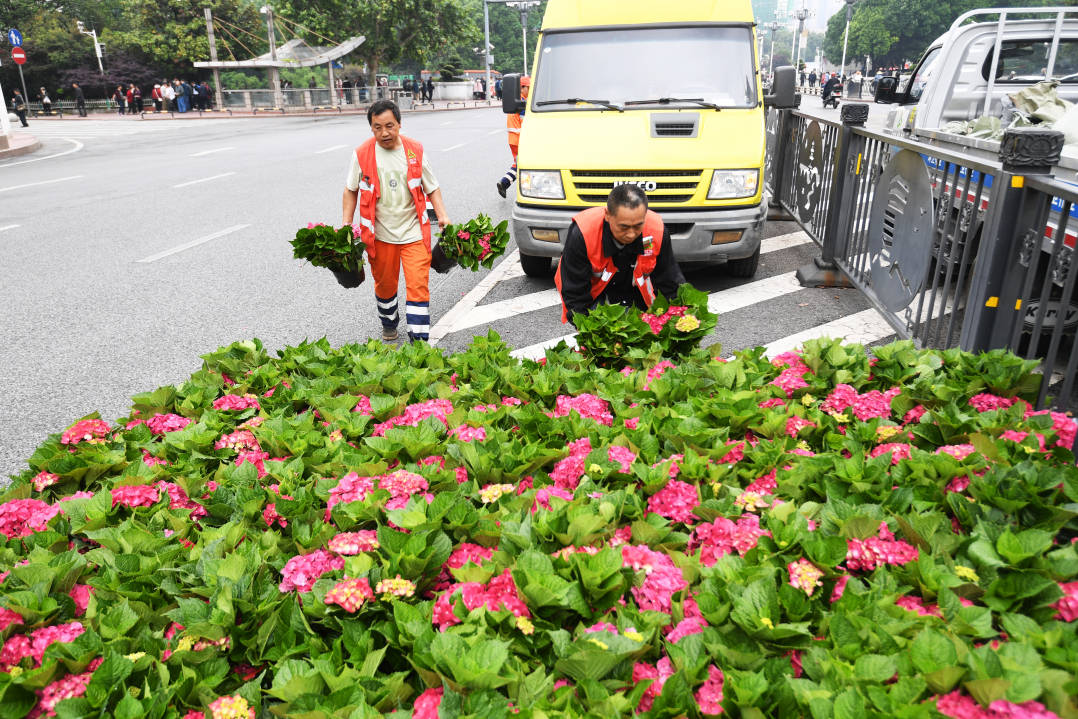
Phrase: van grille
(663, 187)
(675, 124)
(675, 129)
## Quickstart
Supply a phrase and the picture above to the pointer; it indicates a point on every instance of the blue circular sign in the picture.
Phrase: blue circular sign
(14, 37)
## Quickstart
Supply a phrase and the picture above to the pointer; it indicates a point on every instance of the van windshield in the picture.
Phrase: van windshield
(711, 64)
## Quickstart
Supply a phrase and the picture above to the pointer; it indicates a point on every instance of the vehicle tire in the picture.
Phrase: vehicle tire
(535, 266)
(745, 267)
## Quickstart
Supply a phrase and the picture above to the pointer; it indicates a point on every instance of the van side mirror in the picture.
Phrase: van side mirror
(511, 102)
(886, 88)
(783, 92)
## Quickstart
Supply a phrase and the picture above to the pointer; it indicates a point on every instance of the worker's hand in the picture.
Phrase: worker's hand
(443, 221)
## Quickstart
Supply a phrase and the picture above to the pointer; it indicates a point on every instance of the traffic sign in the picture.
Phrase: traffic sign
(14, 37)
(18, 55)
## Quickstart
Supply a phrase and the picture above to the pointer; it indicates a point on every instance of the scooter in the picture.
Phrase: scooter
(832, 99)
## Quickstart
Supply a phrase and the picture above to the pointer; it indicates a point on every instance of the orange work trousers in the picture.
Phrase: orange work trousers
(386, 264)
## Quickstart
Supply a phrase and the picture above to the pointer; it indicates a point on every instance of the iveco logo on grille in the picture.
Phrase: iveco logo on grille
(645, 185)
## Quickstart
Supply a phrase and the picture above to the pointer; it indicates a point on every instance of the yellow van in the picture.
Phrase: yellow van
(663, 95)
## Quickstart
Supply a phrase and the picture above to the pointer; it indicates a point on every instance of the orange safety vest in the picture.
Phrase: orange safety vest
(590, 222)
(370, 191)
(513, 123)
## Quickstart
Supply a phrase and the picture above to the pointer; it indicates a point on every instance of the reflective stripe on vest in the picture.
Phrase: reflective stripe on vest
(590, 223)
(369, 190)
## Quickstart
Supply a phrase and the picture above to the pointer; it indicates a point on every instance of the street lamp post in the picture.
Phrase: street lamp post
(525, 7)
(97, 45)
(774, 26)
(846, 36)
(801, 14)
(275, 73)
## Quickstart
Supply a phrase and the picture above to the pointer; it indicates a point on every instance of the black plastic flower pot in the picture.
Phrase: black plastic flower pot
(439, 262)
(349, 279)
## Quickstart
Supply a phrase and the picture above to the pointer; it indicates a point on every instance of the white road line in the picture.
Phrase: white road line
(485, 314)
(496, 132)
(471, 300)
(539, 349)
(330, 149)
(782, 242)
(455, 147)
(43, 182)
(860, 328)
(447, 122)
(9, 227)
(78, 146)
(204, 179)
(192, 243)
(210, 152)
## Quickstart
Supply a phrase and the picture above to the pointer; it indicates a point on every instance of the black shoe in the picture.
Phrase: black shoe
(502, 187)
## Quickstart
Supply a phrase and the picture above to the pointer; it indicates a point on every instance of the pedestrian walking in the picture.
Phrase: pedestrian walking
(46, 102)
(80, 99)
(121, 98)
(391, 183)
(618, 254)
(430, 89)
(207, 95)
(188, 95)
(196, 97)
(812, 79)
(513, 124)
(477, 90)
(498, 88)
(136, 92)
(18, 103)
(156, 96)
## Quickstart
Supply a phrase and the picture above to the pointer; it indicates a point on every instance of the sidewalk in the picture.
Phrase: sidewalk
(18, 143)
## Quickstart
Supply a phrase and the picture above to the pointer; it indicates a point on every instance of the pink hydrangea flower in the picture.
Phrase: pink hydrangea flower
(80, 594)
(899, 451)
(468, 434)
(568, 471)
(767, 484)
(499, 594)
(622, 456)
(401, 485)
(656, 372)
(736, 453)
(302, 571)
(178, 499)
(840, 588)
(240, 439)
(87, 430)
(773, 402)
(44, 479)
(1019, 437)
(958, 484)
(1064, 427)
(722, 537)
(632, 422)
(959, 706)
(662, 579)
(9, 618)
(543, 495)
(163, 423)
(675, 501)
(416, 413)
(790, 380)
(662, 671)
(985, 402)
(796, 424)
(468, 552)
(350, 488)
(916, 604)
(363, 405)
(236, 402)
(687, 626)
(958, 451)
(586, 405)
(352, 543)
(914, 415)
(1067, 606)
(141, 495)
(68, 687)
(427, 704)
(804, 575)
(350, 594)
(20, 646)
(23, 517)
(271, 516)
(864, 406)
(709, 695)
(867, 554)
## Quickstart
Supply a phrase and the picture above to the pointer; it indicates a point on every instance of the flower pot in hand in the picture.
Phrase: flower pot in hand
(350, 279)
(439, 262)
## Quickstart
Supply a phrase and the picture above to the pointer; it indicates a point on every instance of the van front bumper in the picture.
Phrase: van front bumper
(691, 232)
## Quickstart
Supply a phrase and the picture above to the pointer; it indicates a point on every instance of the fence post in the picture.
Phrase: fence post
(995, 288)
(822, 271)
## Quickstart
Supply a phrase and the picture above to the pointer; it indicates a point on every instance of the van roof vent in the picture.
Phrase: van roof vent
(675, 124)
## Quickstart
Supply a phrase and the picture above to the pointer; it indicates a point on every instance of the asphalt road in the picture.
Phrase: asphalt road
(131, 247)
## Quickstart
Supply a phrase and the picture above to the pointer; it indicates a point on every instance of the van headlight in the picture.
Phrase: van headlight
(542, 184)
(730, 184)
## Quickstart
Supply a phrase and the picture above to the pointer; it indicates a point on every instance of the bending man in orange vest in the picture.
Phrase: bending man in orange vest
(619, 254)
(391, 182)
(513, 124)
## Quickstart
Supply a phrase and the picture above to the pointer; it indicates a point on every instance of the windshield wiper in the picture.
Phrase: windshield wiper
(574, 100)
(667, 100)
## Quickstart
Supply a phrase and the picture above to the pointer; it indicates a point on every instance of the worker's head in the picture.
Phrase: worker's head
(626, 207)
(525, 87)
(385, 119)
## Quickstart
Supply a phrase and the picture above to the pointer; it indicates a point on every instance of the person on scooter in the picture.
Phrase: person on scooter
(833, 83)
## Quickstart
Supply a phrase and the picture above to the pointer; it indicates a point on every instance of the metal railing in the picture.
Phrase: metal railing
(953, 249)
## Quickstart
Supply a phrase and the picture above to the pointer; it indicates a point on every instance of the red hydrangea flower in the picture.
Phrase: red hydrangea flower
(23, 517)
(427, 704)
(899, 451)
(567, 472)
(270, 515)
(178, 499)
(914, 415)
(1067, 606)
(8, 618)
(586, 405)
(662, 671)
(87, 430)
(237, 402)
(985, 402)
(162, 423)
(867, 554)
(721, 537)
(139, 495)
(709, 695)
(80, 594)
(69, 687)
(675, 501)
(500, 593)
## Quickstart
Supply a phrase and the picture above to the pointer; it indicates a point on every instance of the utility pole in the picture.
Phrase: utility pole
(275, 73)
(218, 96)
(801, 14)
(486, 47)
(846, 37)
(774, 26)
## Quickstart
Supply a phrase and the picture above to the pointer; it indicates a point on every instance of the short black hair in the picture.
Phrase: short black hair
(627, 195)
(381, 106)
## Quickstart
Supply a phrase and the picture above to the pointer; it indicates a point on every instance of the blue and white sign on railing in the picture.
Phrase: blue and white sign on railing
(14, 37)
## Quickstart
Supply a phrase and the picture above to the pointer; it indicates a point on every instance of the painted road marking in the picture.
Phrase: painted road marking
(783, 242)
(455, 147)
(43, 182)
(471, 300)
(204, 179)
(210, 152)
(859, 328)
(78, 146)
(9, 227)
(447, 122)
(330, 149)
(192, 243)
(496, 132)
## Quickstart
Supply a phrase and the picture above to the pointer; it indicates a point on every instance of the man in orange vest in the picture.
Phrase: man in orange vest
(618, 254)
(391, 183)
(513, 124)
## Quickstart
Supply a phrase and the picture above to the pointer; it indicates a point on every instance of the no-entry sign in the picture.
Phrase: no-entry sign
(18, 55)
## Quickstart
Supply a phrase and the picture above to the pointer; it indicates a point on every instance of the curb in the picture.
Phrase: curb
(25, 149)
(275, 112)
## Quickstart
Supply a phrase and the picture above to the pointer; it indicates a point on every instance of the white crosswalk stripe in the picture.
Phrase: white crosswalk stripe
(536, 309)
